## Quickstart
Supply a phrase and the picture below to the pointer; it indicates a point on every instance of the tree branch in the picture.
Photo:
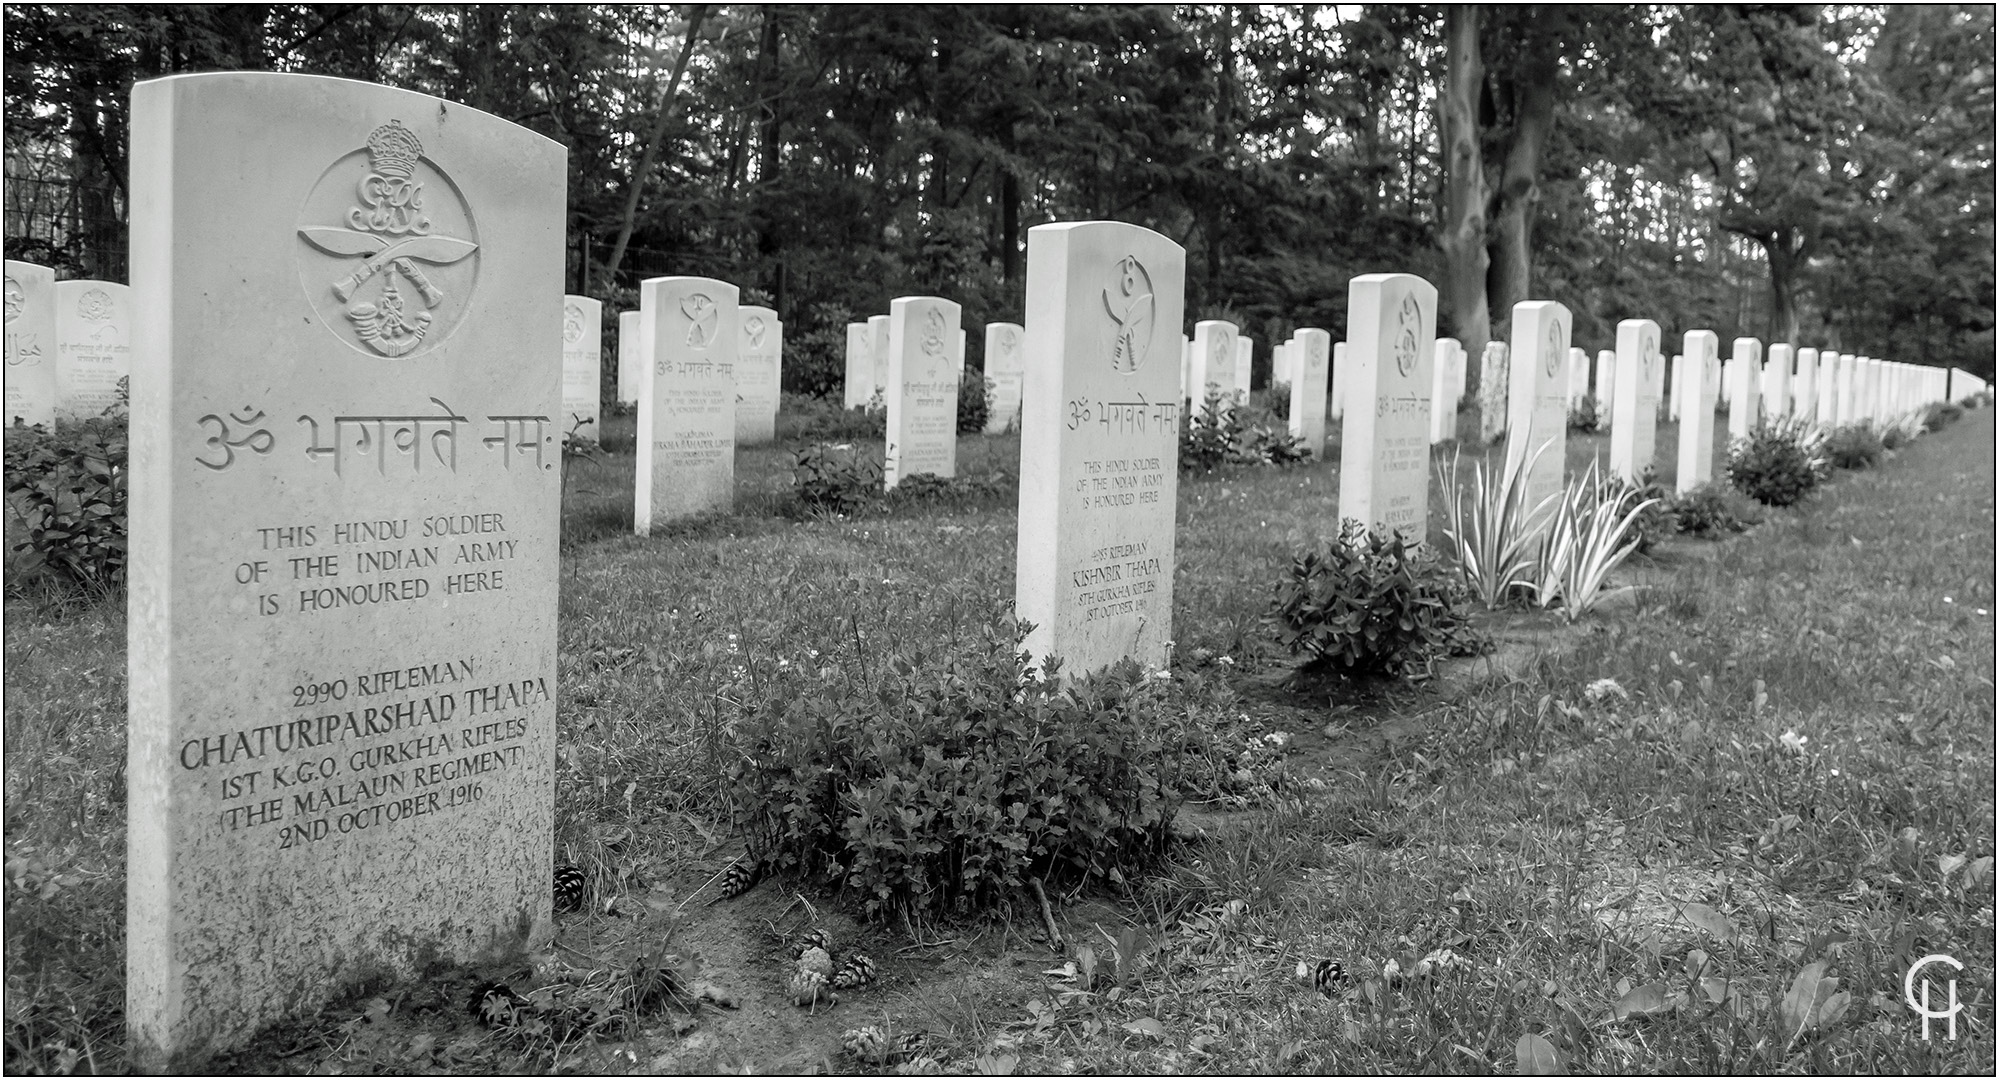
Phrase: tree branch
(644, 165)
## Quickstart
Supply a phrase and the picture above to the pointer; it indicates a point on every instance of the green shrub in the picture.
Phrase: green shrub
(1365, 603)
(1711, 510)
(1267, 445)
(69, 488)
(804, 418)
(1854, 446)
(1777, 464)
(1209, 435)
(974, 403)
(1584, 415)
(954, 491)
(1941, 414)
(1655, 522)
(947, 783)
(836, 478)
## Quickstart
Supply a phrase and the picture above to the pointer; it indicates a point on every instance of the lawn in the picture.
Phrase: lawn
(1629, 847)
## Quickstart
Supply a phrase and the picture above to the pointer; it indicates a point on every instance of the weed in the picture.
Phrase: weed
(1853, 446)
(1489, 528)
(1364, 602)
(1778, 463)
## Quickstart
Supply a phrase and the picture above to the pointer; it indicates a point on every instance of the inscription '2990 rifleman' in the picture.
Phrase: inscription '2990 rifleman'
(414, 238)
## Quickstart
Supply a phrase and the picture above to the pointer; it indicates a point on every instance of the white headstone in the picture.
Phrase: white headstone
(1578, 376)
(31, 344)
(1245, 354)
(1867, 376)
(1214, 363)
(1337, 406)
(1308, 391)
(1004, 372)
(1186, 366)
(1633, 407)
(1805, 386)
(1679, 380)
(1700, 386)
(632, 355)
(1605, 390)
(1459, 358)
(1845, 405)
(1492, 392)
(345, 487)
(859, 384)
(1385, 442)
(1777, 382)
(1443, 410)
(958, 349)
(1282, 370)
(1827, 392)
(1537, 415)
(1099, 472)
(760, 345)
(687, 402)
(1747, 373)
(582, 366)
(922, 389)
(878, 334)
(93, 345)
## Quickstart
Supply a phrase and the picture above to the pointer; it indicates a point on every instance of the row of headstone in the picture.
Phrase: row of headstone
(68, 343)
(757, 368)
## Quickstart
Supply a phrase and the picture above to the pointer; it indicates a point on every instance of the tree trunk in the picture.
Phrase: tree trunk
(1463, 233)
(1512, 274)
(1009, 216)
(769, 244)
(1786, 255)
(644, 166)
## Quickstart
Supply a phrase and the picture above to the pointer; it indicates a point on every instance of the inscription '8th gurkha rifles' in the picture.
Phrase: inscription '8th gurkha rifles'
(388, 230)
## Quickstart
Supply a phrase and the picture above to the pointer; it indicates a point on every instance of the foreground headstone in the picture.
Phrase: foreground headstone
(858, 385)
(31, 344)
(687, 404)
(759, 354)
(582, 366)
(1492, 392)
(1385, 440)
(93, 345)
(1099, 472)
(631, 357)
(1311, 348)
(1214, 364)
(1746, 375)
(1537, 420)
(1701, 348)
(922, 389)
(346, 462)
(1805, 386)
(1634, 406)
(1003, 374)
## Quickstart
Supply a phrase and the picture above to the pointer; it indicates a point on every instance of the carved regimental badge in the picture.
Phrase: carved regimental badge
(94, 306)
(1128, 301)
(572, 324)
(16, 298)
(1008, 340)
(754, 331)
(1408, 324)
(1551, 349)
(933, 333)
(1648, 356)
(701, 315)
(388, 247)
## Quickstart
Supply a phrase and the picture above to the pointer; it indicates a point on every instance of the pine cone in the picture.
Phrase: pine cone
(809, 988)
(1327, 977)
(741, 876)
(920, 1066)
(855, 972)
(815, 938)
(865, 1044)
(818, 961)
(569, 883)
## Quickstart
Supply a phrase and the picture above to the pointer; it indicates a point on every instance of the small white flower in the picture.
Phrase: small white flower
(1225, 661)
(1277, 738)
(1604, 688)
(1947, 600)
(1793, 742)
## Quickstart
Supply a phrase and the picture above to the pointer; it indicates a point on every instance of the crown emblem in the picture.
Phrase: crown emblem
(393, 150)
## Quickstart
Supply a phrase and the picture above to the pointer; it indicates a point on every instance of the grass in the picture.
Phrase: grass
(1538, 834)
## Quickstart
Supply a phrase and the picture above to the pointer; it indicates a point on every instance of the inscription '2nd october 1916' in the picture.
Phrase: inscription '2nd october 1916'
(379, 748)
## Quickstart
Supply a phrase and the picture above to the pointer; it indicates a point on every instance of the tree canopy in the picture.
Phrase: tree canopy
(1821, 175)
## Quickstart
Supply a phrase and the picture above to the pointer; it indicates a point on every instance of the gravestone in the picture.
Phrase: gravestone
(1282, 370)
(1777, 382)
(1214, 363)
(687, 402)
(1459, 358)
(859, 382)
(1634, 405)
(1099, 472)
(1186, 366)
(1679, 373)
(1578, 376)
(93, 345)
(1385, 441)
(345, 487)
(1606, 387)
(1746, 377)
(31, 344)
(759, 353)
(1245, 355)
(1311, 347)
(582, 366)
(878, 336)
(922, 389)
(1805, 387)
(958, 350)
(1492, 392)
(1443, 412)
(631, 357)
(1700, 385)
(1537, 419)
(1003, 372)
(1867, 380)
(1337, 380)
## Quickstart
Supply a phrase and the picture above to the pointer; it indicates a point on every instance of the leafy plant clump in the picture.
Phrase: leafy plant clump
(804, 418)
(1222, 433)
(945, 784)
(69, 488)
(974, 402)
(1585, 415)
(1366, 603)
(955, 491)
(1853, 446)
(1655, 521)
(1778, 464)
(836, 478)
(1590, 534)
(1941, 414)
(1710, 510)
(1491, 527)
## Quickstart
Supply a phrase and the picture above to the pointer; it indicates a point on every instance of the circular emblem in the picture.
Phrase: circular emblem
(1129, 305)
(1551, 350)
(1648, 355)
(933, 333)
(94, 306)
(1408, 323)
(388, 248)
(1009, 339)
(17, 298)
(754, 328)
(572, 324)
(1221, 349)
(701, 315)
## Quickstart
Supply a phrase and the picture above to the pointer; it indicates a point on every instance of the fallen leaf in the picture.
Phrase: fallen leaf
(1710, 920)
(1537, 1056)
(1715, 989)
(1642, 1000)
(1146, 1025)
(1808, 1002)
(996, 1065)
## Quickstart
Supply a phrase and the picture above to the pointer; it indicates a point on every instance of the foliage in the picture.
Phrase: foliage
(1941, 414)
(1711, 510)
(1490, 527)
(1853, 446)
(68, 486)
(836, 478)
(1366, 603)
(974, 401)
(1655, 521)
(1778, 463)
(954, 491)
(802, 418)
(1584, 416)
(1220, 433)
(1901, 430)
(1593, 530)
(951, 781)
